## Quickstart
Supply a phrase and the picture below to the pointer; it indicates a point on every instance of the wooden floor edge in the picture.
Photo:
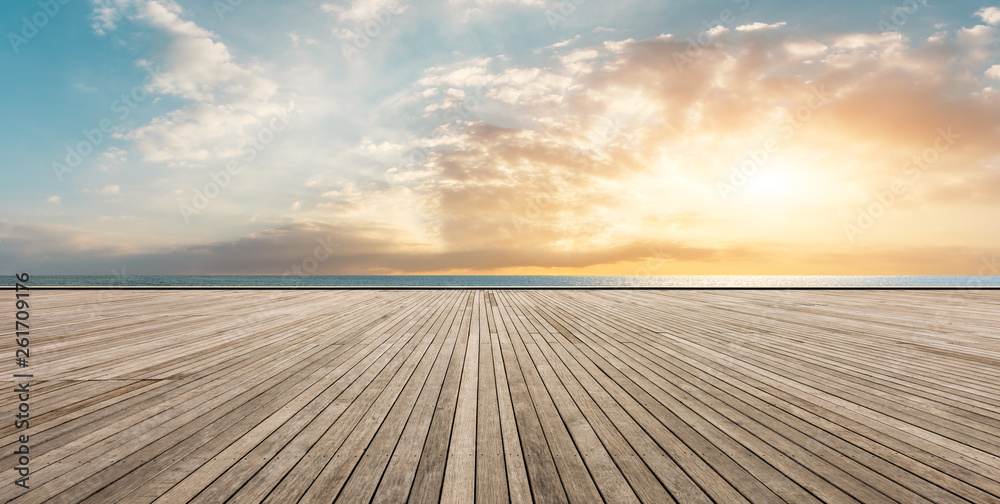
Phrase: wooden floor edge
(503, 287)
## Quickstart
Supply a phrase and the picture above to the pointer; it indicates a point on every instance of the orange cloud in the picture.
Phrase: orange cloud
(603, 128)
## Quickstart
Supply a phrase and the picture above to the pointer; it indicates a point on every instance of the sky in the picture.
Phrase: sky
(499, 137)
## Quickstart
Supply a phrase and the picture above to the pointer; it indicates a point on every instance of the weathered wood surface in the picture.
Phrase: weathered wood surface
(509, 396)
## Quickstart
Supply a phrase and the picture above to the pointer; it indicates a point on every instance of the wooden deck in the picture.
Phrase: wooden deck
(509, 395)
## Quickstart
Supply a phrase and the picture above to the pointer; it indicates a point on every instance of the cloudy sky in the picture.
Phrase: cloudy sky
(500, 137)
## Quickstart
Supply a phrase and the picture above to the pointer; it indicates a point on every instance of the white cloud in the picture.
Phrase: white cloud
(115, 154)
(805, 48)
(201, 132)
(111, 158)
(54, 199)
(618, 46)
(106, 14)
(579, 55)
(524, 86)
(863, 40)
(977, 41)
(383, 151)
(760, 26)
(979, 34)
(106, 190)
(198, 67)
(490, 3)
(580, 130)
(361, 13)
(564, 43)
(348, 191)
(627, 116)
(85, 88)
(297, 40)
(231, 101)
(716, 31)
(990, 15)
(472, 73)
(471, 9)
(581, 61)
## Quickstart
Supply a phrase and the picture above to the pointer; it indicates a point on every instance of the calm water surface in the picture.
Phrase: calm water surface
(506, 281)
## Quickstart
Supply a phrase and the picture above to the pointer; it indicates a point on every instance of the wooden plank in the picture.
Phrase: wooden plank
(573, 471)
(429, 478)
(272, 460)
(543, 476)
(719, 358)
(519, 490)
(376, 434)
(643, 484)
(851, 406)
(153, 404)
(398, 475)
(733, 464)
(606, 474)
(460, 472)
(491, 471)
(75, 471)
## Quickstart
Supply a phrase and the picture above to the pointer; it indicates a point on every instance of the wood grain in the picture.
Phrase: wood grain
(510, 395)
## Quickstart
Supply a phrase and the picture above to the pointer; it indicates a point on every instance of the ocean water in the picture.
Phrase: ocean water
(677, 281)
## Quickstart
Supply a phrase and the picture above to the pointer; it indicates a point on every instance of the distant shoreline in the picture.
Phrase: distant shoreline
(362, 282)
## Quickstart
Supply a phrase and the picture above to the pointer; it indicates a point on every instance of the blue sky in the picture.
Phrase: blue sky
(509, 136)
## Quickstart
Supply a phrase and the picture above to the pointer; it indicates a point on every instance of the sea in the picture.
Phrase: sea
(511, 281)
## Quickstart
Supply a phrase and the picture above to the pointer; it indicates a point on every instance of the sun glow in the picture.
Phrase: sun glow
(775, 183)
(778, 183)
